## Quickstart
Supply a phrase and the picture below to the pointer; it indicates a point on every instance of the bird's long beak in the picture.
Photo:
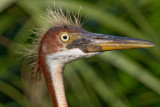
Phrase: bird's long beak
(93, 42)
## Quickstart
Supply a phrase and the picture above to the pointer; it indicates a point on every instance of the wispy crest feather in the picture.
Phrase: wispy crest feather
(59, 18)
(31, 52)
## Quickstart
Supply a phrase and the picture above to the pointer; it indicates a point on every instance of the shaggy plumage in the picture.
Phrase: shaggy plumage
(56, 18)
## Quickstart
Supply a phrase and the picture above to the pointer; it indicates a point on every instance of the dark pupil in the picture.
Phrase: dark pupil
(64, 37)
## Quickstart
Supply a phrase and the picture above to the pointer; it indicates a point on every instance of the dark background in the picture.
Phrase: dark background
(125, 78)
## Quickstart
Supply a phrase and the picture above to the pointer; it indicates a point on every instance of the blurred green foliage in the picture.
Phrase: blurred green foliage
(119, 78)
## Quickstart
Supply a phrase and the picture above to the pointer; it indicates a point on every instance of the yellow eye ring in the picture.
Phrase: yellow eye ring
(64, 37)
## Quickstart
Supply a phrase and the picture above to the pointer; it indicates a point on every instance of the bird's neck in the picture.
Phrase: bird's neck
(56, 71)
(53, 74)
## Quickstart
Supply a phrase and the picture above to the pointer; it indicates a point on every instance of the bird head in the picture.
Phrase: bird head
(67, 43)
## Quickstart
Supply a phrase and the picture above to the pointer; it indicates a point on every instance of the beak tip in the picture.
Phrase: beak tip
(150, 44)
(153, 44)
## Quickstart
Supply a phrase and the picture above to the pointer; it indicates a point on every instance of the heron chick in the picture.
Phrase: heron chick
(66, 41)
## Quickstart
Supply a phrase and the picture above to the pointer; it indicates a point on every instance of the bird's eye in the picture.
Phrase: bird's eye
(64, 37)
